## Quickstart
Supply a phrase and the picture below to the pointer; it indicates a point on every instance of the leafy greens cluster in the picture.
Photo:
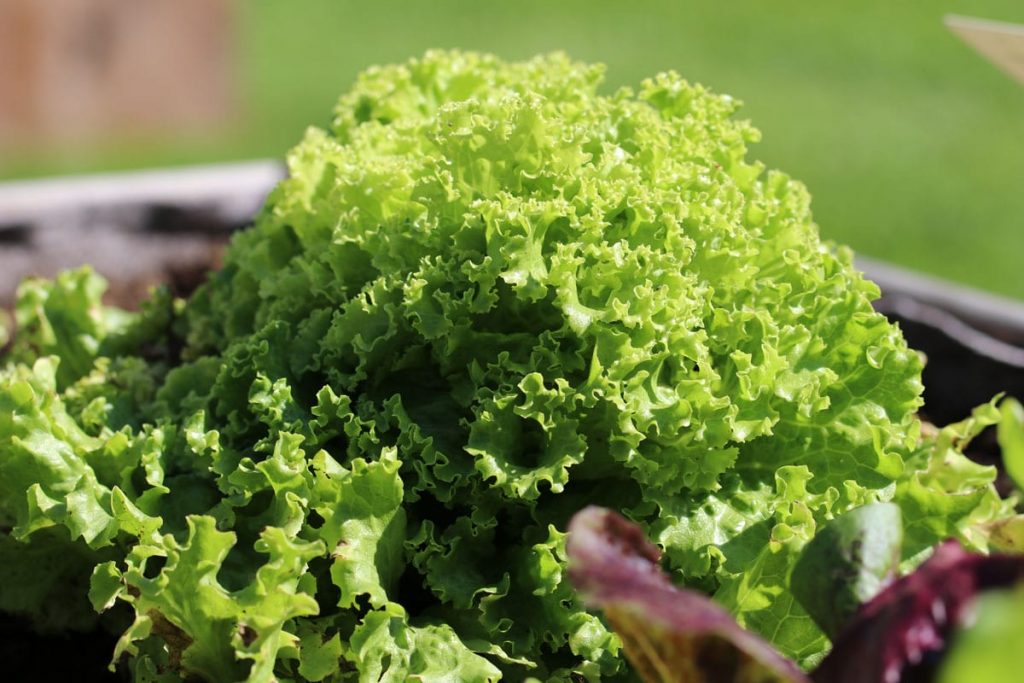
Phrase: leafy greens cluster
(487, 296)
(901, 633)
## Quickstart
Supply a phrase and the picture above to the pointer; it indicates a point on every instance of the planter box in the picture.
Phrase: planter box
(142, 228)
(974, 341)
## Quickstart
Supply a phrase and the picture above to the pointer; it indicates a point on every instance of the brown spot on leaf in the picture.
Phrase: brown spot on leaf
(177, 640)
(247, 634)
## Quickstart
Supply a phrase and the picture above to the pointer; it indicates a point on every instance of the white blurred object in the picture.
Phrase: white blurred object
(1002, 43)
(236, 190)
(138, 228)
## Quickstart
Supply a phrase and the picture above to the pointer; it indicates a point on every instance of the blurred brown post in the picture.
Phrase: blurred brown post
(75, 70)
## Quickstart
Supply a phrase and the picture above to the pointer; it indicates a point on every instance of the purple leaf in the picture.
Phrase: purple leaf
(669, 634)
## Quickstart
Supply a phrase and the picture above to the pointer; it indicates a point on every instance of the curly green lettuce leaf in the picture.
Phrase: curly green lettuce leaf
(206, 629)
(365, 530)
(385, 647)
(46, 581)
(943, 494)
(45, 477)
(64, 318)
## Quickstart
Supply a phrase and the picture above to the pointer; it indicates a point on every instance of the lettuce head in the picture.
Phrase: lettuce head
(487, 295)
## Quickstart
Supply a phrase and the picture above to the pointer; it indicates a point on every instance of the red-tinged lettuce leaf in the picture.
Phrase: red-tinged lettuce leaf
(902, 630)
(669, 633)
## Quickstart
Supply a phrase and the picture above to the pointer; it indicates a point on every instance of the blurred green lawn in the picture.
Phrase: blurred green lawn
(912, 145)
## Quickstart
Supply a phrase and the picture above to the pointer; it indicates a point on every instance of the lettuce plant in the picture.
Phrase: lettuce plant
(487, 295)
(900, 634)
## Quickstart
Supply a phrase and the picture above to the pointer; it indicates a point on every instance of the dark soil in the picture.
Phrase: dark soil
(26, 656)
